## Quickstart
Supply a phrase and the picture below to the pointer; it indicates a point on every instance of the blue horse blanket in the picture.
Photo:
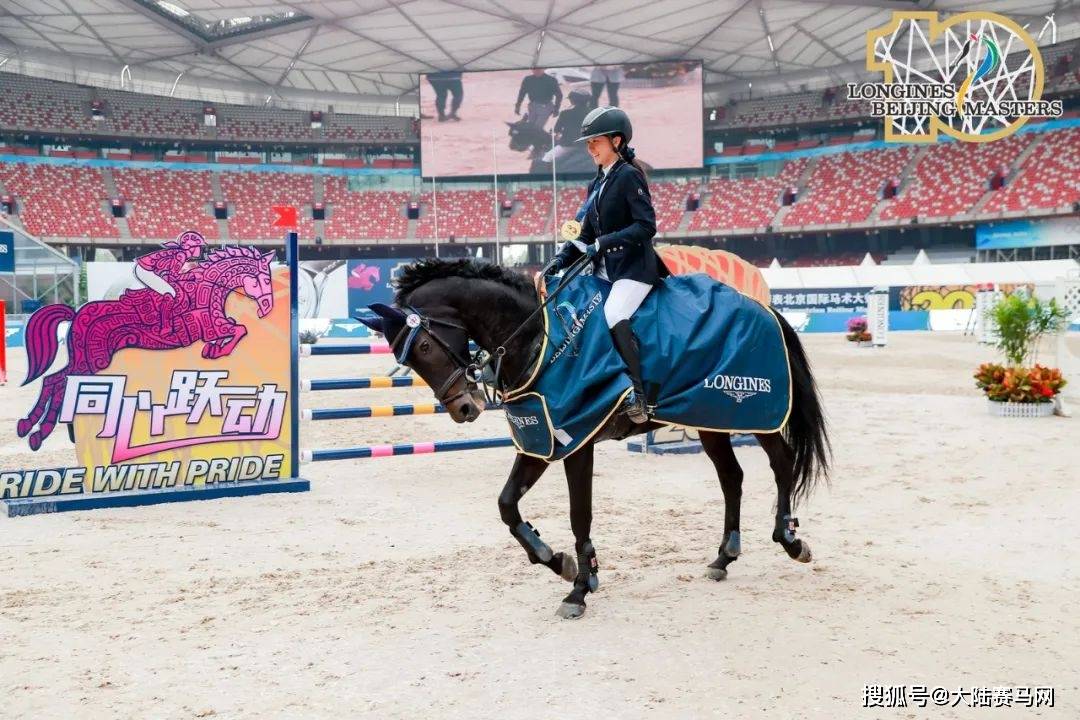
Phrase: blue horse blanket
(712, 359)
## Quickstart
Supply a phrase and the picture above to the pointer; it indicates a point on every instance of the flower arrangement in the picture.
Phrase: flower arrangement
(1021, 385)
(1022, 321)
(857, 330)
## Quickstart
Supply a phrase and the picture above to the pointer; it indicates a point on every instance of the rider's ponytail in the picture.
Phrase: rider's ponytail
(627, 153)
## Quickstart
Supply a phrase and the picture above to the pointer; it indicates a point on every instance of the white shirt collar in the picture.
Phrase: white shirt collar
(608, 168)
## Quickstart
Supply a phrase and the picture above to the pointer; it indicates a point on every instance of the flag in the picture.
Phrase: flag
(284, 216)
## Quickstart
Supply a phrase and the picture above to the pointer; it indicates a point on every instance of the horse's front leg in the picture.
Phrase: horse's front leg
(527, 470)
(224, 341)
(579, 474)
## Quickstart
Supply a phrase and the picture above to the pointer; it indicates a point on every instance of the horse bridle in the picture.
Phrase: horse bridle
(473, 371)
(415, 321)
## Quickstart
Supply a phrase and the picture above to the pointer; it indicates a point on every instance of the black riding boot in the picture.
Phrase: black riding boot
(627, 345)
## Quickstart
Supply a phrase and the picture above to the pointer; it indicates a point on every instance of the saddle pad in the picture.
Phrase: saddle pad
(712, 359)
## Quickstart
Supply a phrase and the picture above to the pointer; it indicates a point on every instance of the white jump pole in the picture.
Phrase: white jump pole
(495, 192)
(554, 195)
(434, 197)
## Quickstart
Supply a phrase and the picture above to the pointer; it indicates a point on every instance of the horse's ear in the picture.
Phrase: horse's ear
(388, 318)
(375, 323)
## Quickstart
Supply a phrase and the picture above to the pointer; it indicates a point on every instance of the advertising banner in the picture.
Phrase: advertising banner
(1027, 233)
(7, 251)
(371, 281)
(177, 389)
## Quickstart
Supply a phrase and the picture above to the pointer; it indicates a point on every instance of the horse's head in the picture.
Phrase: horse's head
(244, 269)
(435, 344)
(520, 136)
(259, 287)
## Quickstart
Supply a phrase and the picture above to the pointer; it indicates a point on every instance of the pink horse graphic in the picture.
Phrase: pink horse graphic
(146, 318)
(364, 277)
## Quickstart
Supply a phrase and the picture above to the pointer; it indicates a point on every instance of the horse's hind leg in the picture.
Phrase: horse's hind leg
(718, 447)
(782, 461)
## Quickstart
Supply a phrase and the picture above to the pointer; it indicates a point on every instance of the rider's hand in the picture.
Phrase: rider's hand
(591, 250)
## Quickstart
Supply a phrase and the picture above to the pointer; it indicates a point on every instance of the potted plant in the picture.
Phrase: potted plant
(857, 331)
(1022, 387)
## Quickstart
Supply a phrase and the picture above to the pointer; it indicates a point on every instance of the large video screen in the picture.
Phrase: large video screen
(479, 123)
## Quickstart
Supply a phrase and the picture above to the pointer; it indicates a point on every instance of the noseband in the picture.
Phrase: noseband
(415, 321)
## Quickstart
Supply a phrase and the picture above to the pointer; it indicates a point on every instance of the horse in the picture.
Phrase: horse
(144, 319)
(525, 135)
(450, 302)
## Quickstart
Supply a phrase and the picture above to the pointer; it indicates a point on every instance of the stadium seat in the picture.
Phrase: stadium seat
(61, 201)
(164, 203)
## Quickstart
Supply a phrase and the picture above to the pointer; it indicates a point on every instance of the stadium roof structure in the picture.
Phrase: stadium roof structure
(372, 52)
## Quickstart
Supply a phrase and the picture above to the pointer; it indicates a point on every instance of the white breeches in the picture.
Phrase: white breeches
(625, 298)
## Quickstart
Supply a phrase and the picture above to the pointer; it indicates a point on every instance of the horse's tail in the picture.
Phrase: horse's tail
(805, 431)
(40, 338)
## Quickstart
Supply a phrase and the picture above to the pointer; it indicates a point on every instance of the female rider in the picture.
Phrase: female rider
(617, 224)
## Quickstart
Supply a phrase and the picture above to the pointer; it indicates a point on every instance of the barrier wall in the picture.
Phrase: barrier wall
(181, 413)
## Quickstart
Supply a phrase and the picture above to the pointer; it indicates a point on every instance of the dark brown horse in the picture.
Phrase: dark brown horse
(450, 302)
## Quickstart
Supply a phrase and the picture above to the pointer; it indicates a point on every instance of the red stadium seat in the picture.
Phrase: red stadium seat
(365, 214)
(952, 177)
(251, 195)
(164, 203)
(1049, 178)
(843, 188)
(60, 201)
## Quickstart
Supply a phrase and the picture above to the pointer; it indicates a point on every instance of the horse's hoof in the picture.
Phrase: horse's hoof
(715, 573)
(805, 555)
(570, 611)
(35, 441)
(569, 567)
(23, 427)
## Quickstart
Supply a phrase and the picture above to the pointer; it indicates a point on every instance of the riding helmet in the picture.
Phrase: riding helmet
(607, 121)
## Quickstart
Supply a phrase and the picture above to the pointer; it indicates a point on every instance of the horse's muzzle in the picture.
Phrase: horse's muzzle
(266, 304)
(466, 408)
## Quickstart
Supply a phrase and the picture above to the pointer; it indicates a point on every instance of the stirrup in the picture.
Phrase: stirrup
(634, 405)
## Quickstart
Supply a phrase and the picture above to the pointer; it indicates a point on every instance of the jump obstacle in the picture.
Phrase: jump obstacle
(378, 348)
(377, 411)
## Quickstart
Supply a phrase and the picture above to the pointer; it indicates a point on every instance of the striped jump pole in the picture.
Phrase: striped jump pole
(374, 451)
(379, 348)
(377, 411)
(307, 350)
(362, 383)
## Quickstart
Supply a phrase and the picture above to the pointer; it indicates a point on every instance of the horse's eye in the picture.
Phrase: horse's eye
(425, 346)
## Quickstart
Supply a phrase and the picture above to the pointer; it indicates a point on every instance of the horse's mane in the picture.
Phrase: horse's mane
(421, 272)
(233, 252)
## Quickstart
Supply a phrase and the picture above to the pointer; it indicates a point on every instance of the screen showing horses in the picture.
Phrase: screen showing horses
(519, 122)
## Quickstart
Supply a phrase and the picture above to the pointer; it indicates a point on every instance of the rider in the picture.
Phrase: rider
(617, 227)
(160, 269)
(568, 126)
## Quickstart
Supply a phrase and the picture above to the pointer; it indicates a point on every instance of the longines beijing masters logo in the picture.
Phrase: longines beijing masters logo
(978, 77)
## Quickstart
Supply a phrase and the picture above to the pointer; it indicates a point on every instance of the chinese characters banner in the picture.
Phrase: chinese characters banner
(181, 384)
(843, 299)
